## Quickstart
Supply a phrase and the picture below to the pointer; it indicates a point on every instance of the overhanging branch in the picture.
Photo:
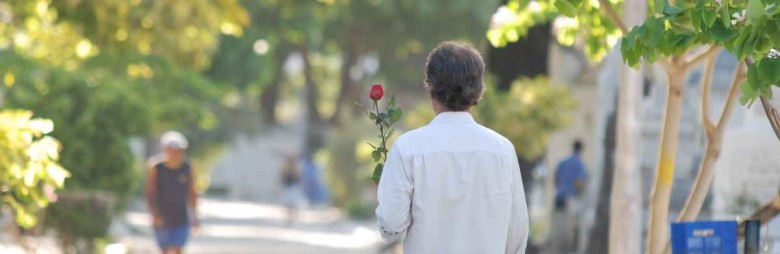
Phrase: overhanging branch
(613, 16)
(701, 57)
(770, 110)
(772, 115)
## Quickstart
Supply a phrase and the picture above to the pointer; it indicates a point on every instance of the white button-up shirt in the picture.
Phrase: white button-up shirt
(453, 186)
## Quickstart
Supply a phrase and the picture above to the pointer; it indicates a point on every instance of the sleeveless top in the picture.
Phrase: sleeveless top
(173, 194)
(289, 175)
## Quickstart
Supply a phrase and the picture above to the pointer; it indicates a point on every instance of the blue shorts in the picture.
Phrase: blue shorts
(172, 237)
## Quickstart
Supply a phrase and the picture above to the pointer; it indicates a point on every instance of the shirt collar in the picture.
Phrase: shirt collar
(453, 117)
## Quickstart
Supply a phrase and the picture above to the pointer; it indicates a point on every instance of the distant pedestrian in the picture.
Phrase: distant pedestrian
(570, 182)
(313, 185)
(291, 175)
(171, 196)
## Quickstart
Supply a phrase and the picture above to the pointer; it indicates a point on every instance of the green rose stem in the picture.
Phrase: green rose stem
(378, 170)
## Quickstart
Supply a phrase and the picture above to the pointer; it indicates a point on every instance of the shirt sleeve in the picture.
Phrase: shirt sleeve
(517, 237)
(394, 196)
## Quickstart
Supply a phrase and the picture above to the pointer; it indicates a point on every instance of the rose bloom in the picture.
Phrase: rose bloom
(377, 92)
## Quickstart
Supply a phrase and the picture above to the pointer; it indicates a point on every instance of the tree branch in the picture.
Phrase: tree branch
(693, 62)
(772, 115)
(770, 111)
(739, 76)
(613, 16)
(763, 214)
(706, 87)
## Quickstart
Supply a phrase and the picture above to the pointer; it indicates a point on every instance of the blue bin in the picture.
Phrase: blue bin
(704, 237)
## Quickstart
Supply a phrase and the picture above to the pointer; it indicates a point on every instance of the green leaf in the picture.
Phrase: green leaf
(376, 155)
(769, 71)
(774, 9)
(395, 116)
(725, 15)
(709, 17)
(773, 32)
(753, 77)
(566, 8)
(630, 50)
(659, 6)
(721, 34)
(391, 104)
(755, 9)
(381, 149)
(736, 45)
(373, 116)
(749, 46)
(697, 20)
(763, 45)
(748, 93)
(673, 10)
(377, 173)
(655, 28)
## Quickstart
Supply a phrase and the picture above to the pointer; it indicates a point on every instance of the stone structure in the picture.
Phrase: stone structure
(249, 170)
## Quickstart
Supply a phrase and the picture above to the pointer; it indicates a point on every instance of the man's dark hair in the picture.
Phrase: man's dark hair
(454, 74)
(577, 146)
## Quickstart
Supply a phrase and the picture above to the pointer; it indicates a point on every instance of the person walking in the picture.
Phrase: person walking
(171, 195)
(291, 198)
(570, 182)
(453, 186)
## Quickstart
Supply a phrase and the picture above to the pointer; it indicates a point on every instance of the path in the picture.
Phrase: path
(241, 227)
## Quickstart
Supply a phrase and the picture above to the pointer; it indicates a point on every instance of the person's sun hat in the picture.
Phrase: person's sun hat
(174, 139)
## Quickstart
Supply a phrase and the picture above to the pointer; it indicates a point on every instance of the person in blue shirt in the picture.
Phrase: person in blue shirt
(570, 181)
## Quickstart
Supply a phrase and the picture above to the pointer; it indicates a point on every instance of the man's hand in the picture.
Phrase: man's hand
(195, 225)
(157, 221)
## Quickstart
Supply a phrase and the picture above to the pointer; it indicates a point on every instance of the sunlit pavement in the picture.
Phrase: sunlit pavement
(240, 227)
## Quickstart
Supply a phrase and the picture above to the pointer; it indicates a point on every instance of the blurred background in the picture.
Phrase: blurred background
(91, 85)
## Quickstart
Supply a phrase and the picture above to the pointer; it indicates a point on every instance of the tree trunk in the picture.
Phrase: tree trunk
(350, 90)
(625, 230)
(533, 49)
(269, 98)
(626, 208)
(658, 234)
(314, 136)
(598, 243)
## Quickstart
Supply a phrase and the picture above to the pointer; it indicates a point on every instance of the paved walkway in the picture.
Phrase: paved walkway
(240, 227)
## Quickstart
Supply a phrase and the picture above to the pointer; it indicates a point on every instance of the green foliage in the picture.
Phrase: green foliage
(81, 215)
(747, 29)
(95, 115)
(102, 106)
(358, 209)
(402, 32)
(527, 114)
(28, 164)
(511, 22)
(66, 32)
(583, 24)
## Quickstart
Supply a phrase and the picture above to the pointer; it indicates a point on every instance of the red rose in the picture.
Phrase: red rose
(377, 92)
